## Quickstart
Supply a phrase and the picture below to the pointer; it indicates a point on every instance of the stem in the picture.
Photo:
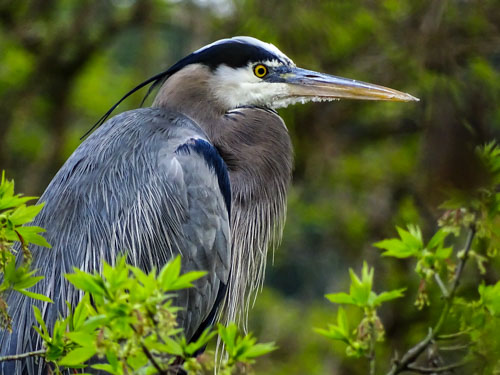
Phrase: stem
(149, 355)
(406, 363)
(152, 360)
(454, 348)
(371, 354)
(461, 264)
(441, 285)
(452, 336)
(17, 357)
(436, 370)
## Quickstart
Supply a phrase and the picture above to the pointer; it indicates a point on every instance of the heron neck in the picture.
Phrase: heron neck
(256, 147)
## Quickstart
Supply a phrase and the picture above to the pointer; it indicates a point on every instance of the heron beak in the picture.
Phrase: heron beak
(311, 85)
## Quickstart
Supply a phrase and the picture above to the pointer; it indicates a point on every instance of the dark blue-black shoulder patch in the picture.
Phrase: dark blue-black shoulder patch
(215, 163)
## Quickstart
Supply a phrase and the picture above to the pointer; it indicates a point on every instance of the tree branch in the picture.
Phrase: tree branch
(371, 354)
(150, 356)
(441, 285)
(436, 370)
(18, 357)
(407, 362)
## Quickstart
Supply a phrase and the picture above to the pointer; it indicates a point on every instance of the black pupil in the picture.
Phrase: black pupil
(261, 71)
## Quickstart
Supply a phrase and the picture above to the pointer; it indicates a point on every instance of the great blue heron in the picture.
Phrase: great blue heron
(203, 173)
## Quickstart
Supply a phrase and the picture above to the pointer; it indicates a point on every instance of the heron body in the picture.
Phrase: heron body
(202, 173)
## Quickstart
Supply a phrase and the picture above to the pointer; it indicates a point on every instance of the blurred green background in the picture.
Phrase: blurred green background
(361, 167)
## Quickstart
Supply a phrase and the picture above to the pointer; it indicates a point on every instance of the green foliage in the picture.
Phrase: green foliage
(370, 328)
(240, 349)
(474, 219)
(127, 320)
(430, 258)
(361, 294)
(14, 214)
(490, 298)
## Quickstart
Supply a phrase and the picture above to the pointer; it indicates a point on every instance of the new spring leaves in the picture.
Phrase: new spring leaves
(361, 295)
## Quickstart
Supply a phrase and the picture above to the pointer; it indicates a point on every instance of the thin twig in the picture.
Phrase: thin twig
(441, 285)
(371, 354)
(453, 348)
(18, 357)
(436, 370)
(150, 356)
(153, 360)
(406, 362)
(411, 355)
(452, 336)
(461, 264)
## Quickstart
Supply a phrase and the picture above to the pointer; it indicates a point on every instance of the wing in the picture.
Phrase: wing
(148, 183)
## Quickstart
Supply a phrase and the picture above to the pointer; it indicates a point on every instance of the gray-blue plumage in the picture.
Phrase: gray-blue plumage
(149, 183)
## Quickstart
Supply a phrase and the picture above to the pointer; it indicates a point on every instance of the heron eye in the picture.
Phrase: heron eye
(260, 70)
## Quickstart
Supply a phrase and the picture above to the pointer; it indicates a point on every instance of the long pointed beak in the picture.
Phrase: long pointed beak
(312, 85)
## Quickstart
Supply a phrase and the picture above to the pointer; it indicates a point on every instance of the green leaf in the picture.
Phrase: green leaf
(360, 289)
(395, 248)
(410, 244)
(78, 356)
(24, 214)
(438, 239)
(39, 319)
(333, 333)
(388, 296)
(94, 322)
(228, 335)
(490, 298)
(148, 281)
(136, 361)
(81, 338)
(105, 367)
(412, 237)
(30, 235)
(169, 273)
(184, 281)
(81, 311)
(171, 346)
(37, 296)
(443, 252)
(86, 282)
(27, 282)
(258, 350)
(339, 332)
(341, 297)
(342, 322)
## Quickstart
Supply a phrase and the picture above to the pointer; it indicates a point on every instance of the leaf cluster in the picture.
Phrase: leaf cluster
(361, 295)
(14, 215)
(126, 323)
(476, 219)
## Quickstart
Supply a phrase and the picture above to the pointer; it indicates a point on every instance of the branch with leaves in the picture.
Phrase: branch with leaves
(127, 321)
(439, 264)
(361, 341)
(14, 215)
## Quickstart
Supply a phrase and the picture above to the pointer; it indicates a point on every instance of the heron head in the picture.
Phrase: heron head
(247, 71)
(244, 71)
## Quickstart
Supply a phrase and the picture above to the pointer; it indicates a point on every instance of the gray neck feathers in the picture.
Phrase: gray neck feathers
(256, 147)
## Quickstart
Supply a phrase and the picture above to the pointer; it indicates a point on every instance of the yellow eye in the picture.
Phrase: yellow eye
(260, 70)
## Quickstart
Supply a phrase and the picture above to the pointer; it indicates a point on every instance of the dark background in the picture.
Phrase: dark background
(361, 167)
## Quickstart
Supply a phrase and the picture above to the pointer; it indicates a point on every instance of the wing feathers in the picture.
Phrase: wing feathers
(127, 189)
